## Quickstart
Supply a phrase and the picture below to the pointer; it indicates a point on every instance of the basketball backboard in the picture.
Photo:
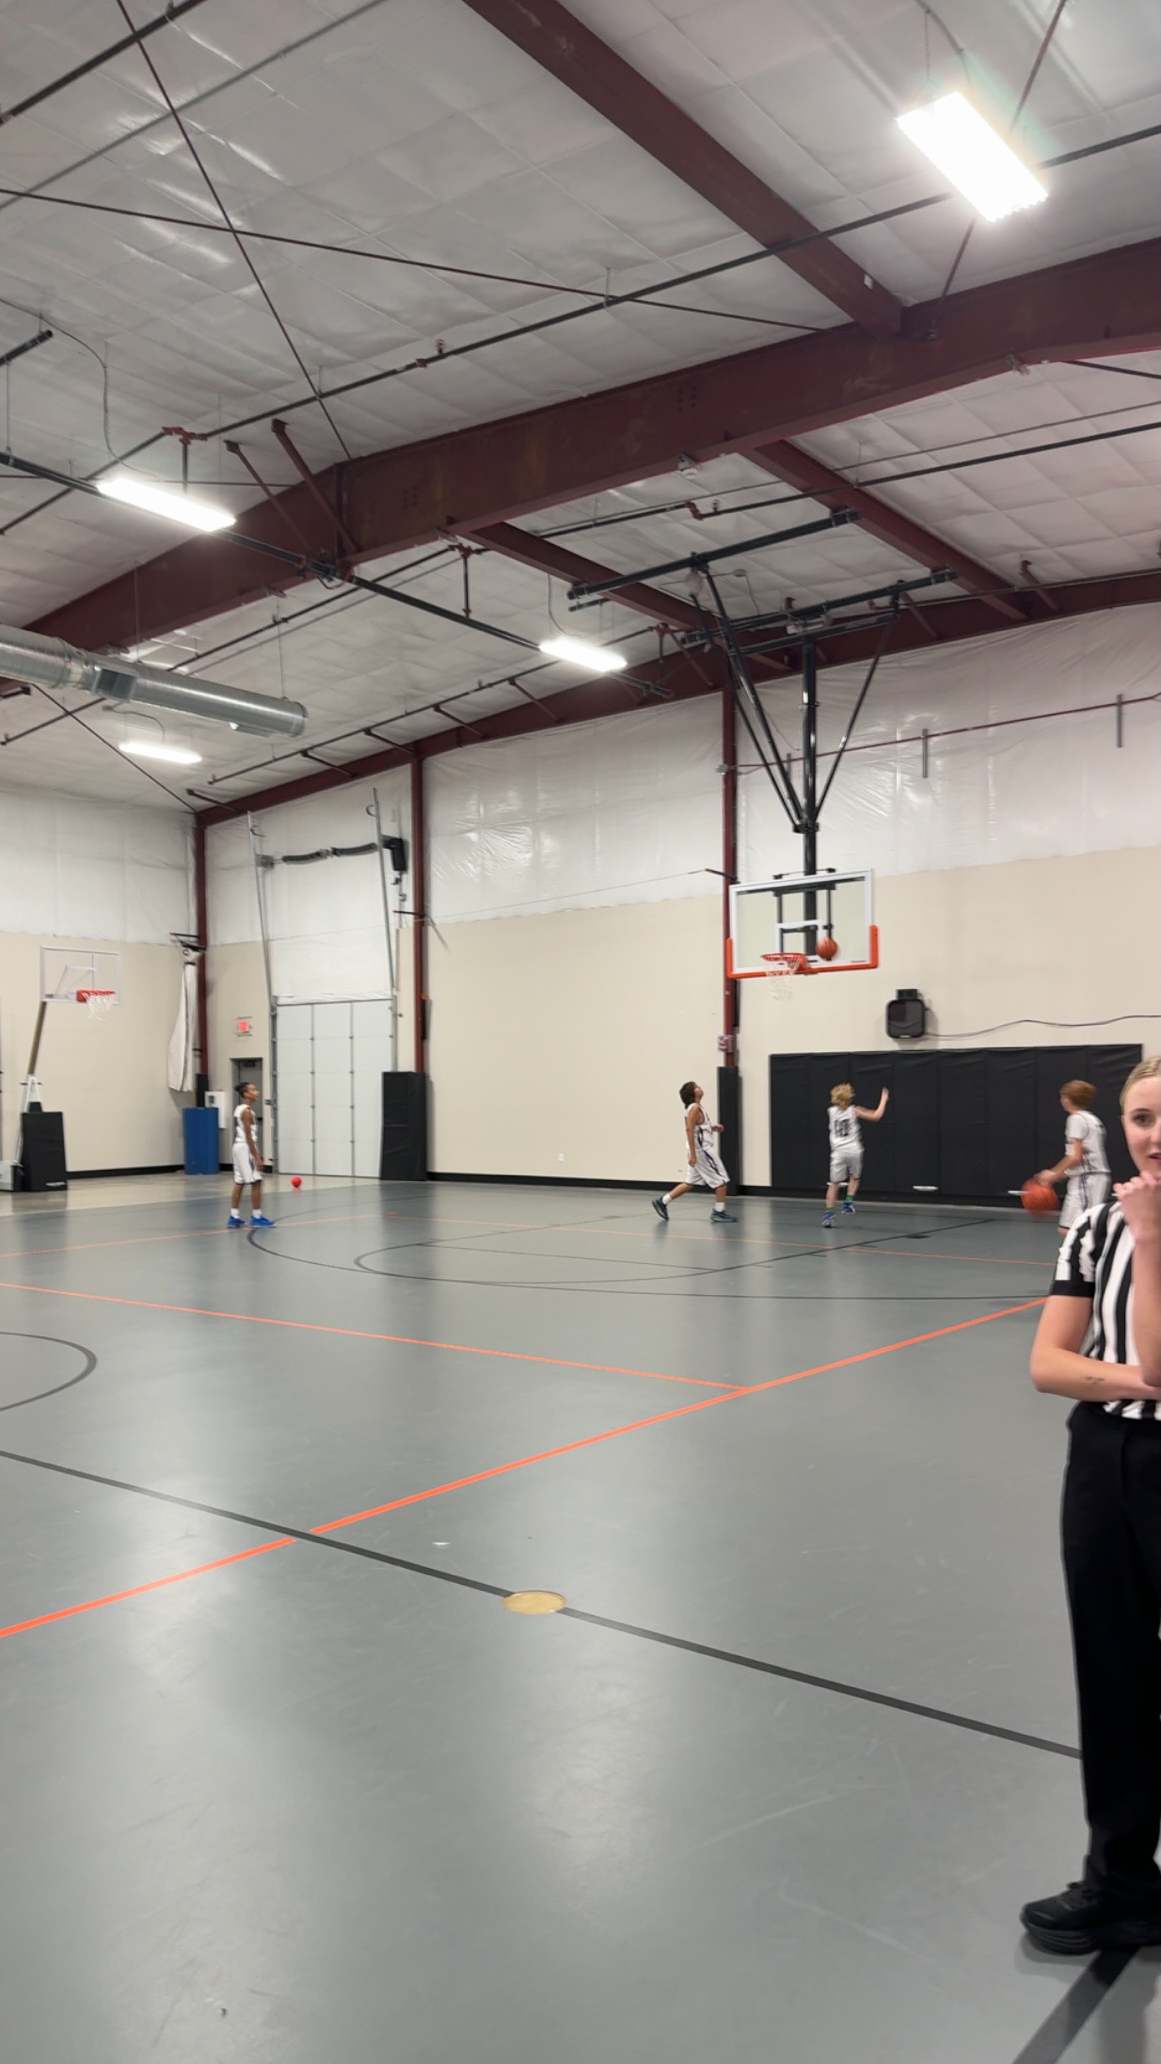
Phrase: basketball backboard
(71, 974)
(828, 917)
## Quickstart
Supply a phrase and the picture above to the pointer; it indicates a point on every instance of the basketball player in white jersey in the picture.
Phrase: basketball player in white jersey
(846, 1146)
(705, 1170)
(1085, 1164)
(247, 1161)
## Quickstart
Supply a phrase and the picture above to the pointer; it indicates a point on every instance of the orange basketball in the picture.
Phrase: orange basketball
(1037, 1198)
(827, 949)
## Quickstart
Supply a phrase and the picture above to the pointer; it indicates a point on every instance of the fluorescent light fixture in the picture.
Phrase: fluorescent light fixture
(156, 749)
(160, 501)
(579, 652)
(968, 151)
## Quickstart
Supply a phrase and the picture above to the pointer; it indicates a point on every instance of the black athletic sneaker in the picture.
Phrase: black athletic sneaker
(1082, 1919)
(723, 1218)
(661, 1208)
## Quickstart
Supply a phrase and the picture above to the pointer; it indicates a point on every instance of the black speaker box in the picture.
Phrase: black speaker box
(42, 1151)
(403, 1151)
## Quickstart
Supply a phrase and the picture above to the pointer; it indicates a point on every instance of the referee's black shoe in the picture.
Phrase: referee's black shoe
(1082, 1919)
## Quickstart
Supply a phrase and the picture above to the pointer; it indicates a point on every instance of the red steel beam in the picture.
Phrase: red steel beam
(1103, 306)
(960, 617)
(787, 462)
(548, 557)
(571, 52)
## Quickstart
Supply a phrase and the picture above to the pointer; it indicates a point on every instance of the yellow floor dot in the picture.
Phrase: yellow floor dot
(534, 1602)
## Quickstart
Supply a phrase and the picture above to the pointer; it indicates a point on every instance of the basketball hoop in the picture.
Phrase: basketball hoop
(100, 1001)
(779, 968)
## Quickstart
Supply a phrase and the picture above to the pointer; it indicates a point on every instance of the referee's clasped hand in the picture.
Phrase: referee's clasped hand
(1140, 1201)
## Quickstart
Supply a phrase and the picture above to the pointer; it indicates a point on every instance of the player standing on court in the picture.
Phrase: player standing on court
(1099, 1341)
(846, 1146)
(705, 1170)
(1085, 1163)
(247, 1161)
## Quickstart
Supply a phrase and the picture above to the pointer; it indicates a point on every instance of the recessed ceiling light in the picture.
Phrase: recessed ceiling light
(160, 501)
(579, 652)
(969, 152)
(156, 749)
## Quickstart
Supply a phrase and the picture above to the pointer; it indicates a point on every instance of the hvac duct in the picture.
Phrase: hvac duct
(49, 663)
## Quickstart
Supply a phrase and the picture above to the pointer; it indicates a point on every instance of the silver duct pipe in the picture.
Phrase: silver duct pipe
(49, 663)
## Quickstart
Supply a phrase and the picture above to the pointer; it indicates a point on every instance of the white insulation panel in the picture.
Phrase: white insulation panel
(628, 810)
(74, 868)
(325, 919)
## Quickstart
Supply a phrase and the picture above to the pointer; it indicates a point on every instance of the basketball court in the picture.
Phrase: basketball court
(580, 609)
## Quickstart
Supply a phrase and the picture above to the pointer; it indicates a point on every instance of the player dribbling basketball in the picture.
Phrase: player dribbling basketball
(1084, 1167)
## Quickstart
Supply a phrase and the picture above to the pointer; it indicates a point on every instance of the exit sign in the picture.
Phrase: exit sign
(243, 1027)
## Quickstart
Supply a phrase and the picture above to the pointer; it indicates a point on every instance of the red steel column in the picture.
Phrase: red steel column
(419, 911)
(729, 865)
(202, 928)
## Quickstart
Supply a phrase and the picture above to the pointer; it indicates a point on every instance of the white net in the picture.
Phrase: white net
(98, 1002)
(781, 969)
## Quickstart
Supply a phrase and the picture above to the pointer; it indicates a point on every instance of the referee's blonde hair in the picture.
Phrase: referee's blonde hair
(1143, 1072)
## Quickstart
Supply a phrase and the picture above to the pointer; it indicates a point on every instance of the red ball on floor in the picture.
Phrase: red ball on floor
(296, 1182)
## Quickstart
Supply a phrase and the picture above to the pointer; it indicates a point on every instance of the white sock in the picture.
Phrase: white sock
(719, 1207)
(236, 1214)
(668, 1197)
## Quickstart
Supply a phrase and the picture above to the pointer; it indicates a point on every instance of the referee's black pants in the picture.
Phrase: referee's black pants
(1111, 1528)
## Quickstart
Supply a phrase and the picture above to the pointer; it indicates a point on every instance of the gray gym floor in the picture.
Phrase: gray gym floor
(284, 1780)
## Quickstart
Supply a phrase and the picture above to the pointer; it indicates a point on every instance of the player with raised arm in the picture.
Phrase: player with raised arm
(846, 1146)
(247, 1161)
(1099, 1341)
(1084, 1167)
(704, 1170)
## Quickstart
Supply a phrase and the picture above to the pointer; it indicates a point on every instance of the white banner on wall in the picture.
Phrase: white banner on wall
(628, 809)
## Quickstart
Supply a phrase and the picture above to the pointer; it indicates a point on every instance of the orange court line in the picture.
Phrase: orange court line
(68, 1612)
(197, 1311)
(147, 1239)
(524, 1462)
(591, 1440)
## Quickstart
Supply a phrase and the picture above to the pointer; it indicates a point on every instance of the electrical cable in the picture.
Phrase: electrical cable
(319, 396)
(243, 253)
(1053, 1024)
(173, 12)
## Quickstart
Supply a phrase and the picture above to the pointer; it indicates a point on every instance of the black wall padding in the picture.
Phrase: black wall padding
(403, 1152)
(963, 1124)
(730, 1120)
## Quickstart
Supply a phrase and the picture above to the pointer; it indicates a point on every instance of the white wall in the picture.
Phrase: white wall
(574, 949)
(85, 874)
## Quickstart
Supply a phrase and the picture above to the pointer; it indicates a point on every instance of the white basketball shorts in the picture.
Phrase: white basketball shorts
(1084, 1193)
(846, 1164)
(246, 1169)
(707, 1172)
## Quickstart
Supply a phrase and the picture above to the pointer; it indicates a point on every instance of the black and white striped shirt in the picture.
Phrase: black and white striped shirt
(1096, 1262)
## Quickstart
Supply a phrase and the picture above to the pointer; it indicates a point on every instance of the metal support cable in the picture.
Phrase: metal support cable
(750, 704)
(224, 213)
(845, 740)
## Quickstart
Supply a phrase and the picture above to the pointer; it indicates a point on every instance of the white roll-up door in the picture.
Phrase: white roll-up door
(331, 1057)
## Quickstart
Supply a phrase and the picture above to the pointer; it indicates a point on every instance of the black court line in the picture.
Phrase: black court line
(645, 1286)
(88, 1364)
(444, 1576)
(1056, 2035)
